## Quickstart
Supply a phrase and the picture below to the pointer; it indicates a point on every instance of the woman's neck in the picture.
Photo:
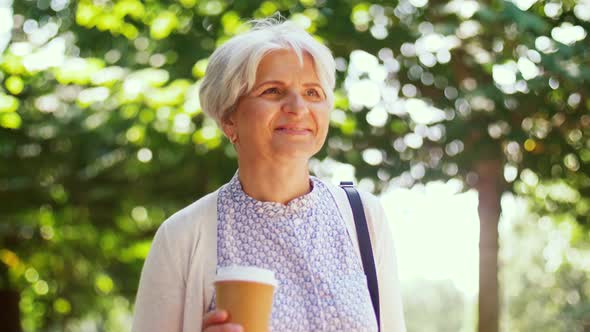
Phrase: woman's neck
(272, 183)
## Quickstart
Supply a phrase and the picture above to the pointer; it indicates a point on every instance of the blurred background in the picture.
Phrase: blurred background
(469, 118)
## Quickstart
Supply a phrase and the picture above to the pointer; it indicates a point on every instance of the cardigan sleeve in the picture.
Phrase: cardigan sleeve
(175, 286)
(160, 296)
(390, 299)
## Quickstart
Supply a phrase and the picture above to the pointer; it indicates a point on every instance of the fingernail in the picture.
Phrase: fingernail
(237, 328)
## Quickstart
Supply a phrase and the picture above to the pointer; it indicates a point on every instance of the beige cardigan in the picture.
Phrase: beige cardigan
(176, 284)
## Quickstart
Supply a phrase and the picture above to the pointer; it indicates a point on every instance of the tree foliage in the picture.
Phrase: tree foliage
(546, 276)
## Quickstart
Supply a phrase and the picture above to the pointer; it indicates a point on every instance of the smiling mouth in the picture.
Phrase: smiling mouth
(293, 131)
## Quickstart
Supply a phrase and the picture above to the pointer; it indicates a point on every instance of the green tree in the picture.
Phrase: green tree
(482, 92)
(546, 276)
(98, 146)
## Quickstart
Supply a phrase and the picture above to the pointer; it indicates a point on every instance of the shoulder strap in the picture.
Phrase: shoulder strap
(362, 233)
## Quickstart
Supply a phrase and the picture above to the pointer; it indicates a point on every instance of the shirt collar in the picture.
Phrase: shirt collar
(297, 204)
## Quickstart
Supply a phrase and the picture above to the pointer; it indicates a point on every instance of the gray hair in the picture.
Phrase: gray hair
(231, 71)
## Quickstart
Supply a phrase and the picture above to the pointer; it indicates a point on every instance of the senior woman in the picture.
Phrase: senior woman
(271, 91)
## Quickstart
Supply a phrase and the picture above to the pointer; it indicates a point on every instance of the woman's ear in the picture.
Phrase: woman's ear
(229, 127)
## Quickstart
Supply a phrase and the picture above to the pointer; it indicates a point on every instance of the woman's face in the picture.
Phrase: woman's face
(285, 116)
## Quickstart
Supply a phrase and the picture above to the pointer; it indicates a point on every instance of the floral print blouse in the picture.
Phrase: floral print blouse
(322, 286)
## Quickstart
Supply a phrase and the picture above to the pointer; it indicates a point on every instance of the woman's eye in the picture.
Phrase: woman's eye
(312, 93)
(271, 91)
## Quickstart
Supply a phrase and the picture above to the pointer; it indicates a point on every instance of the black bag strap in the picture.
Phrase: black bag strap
(362, 233)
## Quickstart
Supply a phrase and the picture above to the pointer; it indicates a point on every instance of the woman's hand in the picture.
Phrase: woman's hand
(215, 321)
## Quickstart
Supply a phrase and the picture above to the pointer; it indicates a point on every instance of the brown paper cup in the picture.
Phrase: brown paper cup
(246, 293)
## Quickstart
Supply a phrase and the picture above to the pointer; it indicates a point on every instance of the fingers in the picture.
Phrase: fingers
(224, 328)
(214, 322)
(214, 317)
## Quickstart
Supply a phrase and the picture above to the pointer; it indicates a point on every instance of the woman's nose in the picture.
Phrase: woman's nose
(295, 103)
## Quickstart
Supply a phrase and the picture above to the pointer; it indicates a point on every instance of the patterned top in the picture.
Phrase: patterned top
(322, 286)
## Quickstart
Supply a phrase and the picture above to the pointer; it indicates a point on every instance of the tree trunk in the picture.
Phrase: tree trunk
(9, 311)
(490, 185)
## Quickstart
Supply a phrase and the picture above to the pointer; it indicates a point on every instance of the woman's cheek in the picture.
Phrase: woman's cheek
(325, 120)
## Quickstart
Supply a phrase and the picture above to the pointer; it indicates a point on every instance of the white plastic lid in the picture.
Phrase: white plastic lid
(246, 273)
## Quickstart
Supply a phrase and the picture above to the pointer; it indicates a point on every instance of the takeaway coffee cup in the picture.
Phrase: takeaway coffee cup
(246, 293)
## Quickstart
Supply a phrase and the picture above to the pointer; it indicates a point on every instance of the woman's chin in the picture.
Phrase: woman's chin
(294, 151)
